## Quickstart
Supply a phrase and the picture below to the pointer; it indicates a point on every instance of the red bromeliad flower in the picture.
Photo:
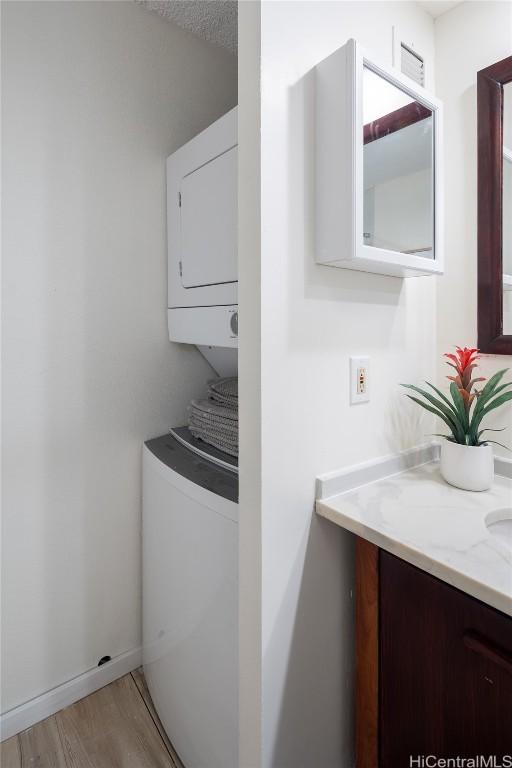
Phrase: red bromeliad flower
(464, 422)
(464, 362)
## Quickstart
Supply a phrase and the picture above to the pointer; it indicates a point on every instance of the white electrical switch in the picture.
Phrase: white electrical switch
(359, 379)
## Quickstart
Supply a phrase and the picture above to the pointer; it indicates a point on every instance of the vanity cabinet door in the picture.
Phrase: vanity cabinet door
(445, 670)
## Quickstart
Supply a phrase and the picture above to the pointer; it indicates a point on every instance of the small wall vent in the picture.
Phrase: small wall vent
(406, 58)
(412, 64)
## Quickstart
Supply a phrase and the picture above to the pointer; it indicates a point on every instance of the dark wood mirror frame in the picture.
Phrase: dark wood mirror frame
(490, 82)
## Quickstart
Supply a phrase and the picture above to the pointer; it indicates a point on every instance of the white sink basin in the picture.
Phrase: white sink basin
(499, 524)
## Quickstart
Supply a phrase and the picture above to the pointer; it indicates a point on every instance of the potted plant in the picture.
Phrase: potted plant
(466, 458)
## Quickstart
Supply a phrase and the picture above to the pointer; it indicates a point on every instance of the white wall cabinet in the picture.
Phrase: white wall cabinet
(378, 168)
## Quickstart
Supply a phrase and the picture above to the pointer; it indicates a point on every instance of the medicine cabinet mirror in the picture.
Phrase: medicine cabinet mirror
(494, 88)
(378, 168)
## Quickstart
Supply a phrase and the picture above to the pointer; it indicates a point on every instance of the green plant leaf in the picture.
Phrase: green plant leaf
(488, 429)
(442, 396)
(450, 413)
(475, 422)
(495, 401)
(482, 399)
(436, 412)
(459, 404)
(482, 404)
(500, 400)
(493, 383)
(494, 442)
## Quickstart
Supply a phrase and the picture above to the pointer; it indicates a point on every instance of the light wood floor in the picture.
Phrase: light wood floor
(115, 727)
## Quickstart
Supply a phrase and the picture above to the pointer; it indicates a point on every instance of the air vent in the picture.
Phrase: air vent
(412, 64)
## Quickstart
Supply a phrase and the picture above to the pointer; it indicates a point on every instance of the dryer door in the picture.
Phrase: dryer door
(208, 222)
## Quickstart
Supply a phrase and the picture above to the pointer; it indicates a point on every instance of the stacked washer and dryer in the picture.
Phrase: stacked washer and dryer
(190, 489)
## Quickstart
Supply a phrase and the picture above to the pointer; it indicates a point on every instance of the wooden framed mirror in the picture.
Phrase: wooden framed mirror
(494, 89)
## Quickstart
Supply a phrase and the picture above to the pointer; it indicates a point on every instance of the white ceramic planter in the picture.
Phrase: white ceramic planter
(467, 466)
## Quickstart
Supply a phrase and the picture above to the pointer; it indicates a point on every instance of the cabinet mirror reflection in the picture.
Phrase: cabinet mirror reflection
(398, 162)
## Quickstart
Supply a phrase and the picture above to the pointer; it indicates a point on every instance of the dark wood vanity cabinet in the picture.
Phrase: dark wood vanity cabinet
(434, 667)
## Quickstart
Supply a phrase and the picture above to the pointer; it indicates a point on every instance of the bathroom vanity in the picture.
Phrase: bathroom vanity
(433, 617)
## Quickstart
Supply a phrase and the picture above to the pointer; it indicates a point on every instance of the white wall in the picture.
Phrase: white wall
(312, 319)
(95, 95)
(468, 38)
(249, 382)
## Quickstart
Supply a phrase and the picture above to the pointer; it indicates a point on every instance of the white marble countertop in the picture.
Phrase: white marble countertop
(440, 529)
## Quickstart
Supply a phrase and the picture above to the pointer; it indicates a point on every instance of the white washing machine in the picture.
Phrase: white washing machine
(190, 600)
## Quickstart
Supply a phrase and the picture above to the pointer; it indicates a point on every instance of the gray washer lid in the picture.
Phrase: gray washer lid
(198, 470)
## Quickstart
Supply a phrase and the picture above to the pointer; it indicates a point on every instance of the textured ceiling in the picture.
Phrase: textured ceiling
(214, 20)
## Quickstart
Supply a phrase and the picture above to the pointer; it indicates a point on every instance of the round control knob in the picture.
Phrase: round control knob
(233, 322)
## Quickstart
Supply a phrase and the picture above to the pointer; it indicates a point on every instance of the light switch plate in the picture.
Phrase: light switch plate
(359, 379)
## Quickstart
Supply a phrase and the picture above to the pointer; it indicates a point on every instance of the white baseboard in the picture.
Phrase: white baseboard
(19, 718)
